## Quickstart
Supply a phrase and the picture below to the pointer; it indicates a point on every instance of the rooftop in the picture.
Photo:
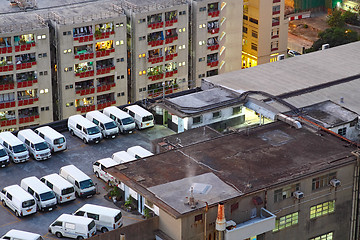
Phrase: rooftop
(237, 159)
(20, 22)
(328, 114)
(303, 80)
(147, 5)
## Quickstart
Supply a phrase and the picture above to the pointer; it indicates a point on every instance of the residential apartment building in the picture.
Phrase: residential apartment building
(274, 182)
(264, 32)
(216, 33)
(89, 50)
(25, 73)
(158, 46)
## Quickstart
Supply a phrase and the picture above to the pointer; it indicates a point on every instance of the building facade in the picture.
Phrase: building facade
(25, 73)
(89, 49)
(264, 32)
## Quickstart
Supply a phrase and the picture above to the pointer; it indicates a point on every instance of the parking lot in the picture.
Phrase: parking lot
(81, 155)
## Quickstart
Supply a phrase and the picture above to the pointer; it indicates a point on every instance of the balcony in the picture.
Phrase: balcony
(85, 74)
(4, 50)
(156, 77)
(27, 83)
(171, 39)
(276, 12)
(84, 56)
(105, 87)
(103, 35)
(24, 47)
(5, 122)
(214, 13)
(103, 53)
(104, 70)
(170, 56)
(85, 109)
(4, 105)
(170, 74)
(25, 65)
(27, 119)
(87, 91)
(156, 59)
(275, 24)
(6, 86)
(214, 30)
(84, 38)
(253, 227)
(156, 25)
(213, 63)
(106, 104)
(213, 47)
(6, 68)
(169, 23)
(28, 101)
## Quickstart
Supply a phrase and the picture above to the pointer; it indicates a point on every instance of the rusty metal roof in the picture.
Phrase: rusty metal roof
(247, 161)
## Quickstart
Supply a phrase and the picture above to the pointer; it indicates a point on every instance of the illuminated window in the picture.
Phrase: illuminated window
(43, 36)
(39, 37)
(65, 51)
(140, 73)
(144, 72)
(117, 43)
(322, 209)
(322, 181)
(121, 42)
(286, 221)
(286, 192)
(326, 236)
(200, 26)
(183, 29)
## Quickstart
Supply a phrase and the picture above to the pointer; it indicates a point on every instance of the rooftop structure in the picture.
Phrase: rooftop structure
(303, 80)
(21, 22)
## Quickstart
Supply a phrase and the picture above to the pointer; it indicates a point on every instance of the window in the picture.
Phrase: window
(198, 218)
(322, 209)
(286, 221)
(322, 181)
(236, 110)
(202, 59)
(274, 45)
(93, 216)
(254, 34)
(141, 38)
(216, 114)
(286, 192)
(197, 120)
(326, 236)
(182, 13)
(57, 223)
(276, 9)
(342, 131)
(275, 32)
(202, 9)
(254, 46)
(141, 20)
(44, 54)
(245, 29)
(245, 17)
(253, 20)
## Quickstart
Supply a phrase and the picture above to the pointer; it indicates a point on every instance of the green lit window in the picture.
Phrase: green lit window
(286, 221)
(327, 236)
(322, 209)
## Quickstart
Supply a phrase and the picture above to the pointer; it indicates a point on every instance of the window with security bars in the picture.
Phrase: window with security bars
(322, 209)
(286, 192)
(322, 181)
(327, 236)
(286, 221)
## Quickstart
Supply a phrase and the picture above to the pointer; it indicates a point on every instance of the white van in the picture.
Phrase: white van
(142, 117)
(99, 168)
(4, 157)
(139, 152)
(107, 126)
(36, 146)
(63, 190)
(21, 235)
(73, 227)
(122, 157)
(105, 218)
(18, 200)
(44, 196)
(123, 120)
(56, 140)
(84, 129)
(14, 147)
(84, 186)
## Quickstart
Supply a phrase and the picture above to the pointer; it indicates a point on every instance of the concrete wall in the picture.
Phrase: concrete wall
(169, 225)
(143, 230)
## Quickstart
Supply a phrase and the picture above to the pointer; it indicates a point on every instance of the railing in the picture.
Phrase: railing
(171, 39)
(84, 56)
(213, 47)
(104, 53)
(104, 70)
(214, 30)
(6, 68)
(85, 91)
(28, 119)
(156, 25)
(170, 22)
(27, 83)
(170, 74)
(6, 122)
(275, 24)
(155, 59)
(25, 65)
(214, 13)
(170, 56)
(213, 63)
(84, 38)
(104, 105)
(153, 93)
(5, 50)
(156, 77)
(104, 35)
(85, 109)
(85, 74)
(7, 104)
(156, 43)
(6, 86)
(24, 47)
(28, 101)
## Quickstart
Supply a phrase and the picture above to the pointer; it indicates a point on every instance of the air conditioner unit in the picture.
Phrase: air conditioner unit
(298, 194)
(335, 182)
(325, 46)
(281, 57)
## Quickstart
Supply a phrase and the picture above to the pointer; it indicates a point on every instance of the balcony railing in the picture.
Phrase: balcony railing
(7, 122)
(85, 74)
(27, 119)
(84, 38)
(155, 59)
(7, 104)
(85, 91)
(170, 74)
(104, 105)
(156, 77)
(171, 39)
(213, 47)
(24, 47)
(156, 43)
(253, 227)
(103, 35)
(105, 87)
(25, 65)
(27, 83)
(275, 24)
(213, 63)
(104, 70)
(156, 25)
(85, 109)
(214, 30)
(28, 101)
(5, 50)
(6, 68)
(104, 53)
(214, 13)
(84, 56)
(170, 22)
(7, 86)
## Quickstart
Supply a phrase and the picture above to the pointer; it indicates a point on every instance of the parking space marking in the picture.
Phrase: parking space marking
(46, 236)
(7, 209)
(9, 223)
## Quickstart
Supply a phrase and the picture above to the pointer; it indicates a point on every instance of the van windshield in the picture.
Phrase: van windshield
(59, 141)
(147, 118)
(47, 196)
(67, 191)
(28, 203)
(19, 148)
(91, 225)
(86, 184)
(127, 121)
(2, 153)
(118, 217)
(93, 130)
(41, 146)
(110, 125)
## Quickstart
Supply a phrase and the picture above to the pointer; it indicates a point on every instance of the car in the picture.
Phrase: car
(293, 53)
